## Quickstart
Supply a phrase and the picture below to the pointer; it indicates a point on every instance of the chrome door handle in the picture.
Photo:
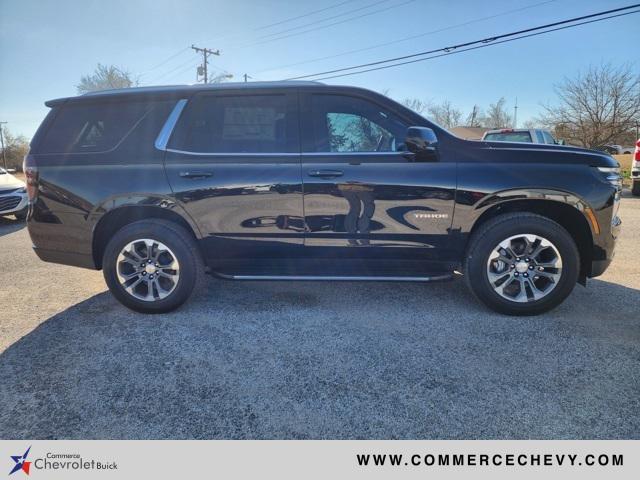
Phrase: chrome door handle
(325, 173)
(195, 174)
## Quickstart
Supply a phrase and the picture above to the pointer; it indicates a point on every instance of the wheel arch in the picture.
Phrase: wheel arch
(568, 215)
(113, 220)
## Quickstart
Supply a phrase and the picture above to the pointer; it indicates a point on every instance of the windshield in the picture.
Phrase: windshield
(508, 137)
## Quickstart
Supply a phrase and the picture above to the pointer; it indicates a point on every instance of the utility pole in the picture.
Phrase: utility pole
(246, 77)
(205, 53)
(4, 158)
(515, 114)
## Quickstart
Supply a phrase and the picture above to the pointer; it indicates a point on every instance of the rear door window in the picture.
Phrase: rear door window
(91, 127)
(237, 124)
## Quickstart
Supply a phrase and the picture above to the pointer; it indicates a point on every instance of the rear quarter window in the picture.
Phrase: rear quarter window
(91, 127)
(508, 137)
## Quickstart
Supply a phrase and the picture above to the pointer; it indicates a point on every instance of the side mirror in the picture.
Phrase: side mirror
(422, 141)
(560, 142)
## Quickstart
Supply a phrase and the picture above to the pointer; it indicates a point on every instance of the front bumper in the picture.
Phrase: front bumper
(604, 253)
(13, 202)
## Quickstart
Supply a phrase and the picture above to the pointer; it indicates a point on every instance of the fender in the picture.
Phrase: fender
(164, 202)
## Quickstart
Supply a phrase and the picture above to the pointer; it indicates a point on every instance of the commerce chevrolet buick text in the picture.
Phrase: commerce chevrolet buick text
(305, 181)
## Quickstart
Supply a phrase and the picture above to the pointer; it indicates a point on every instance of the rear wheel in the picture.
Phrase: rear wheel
(152, 266)
(521, 264)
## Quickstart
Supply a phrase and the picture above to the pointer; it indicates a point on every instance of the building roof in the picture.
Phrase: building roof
(469, 133)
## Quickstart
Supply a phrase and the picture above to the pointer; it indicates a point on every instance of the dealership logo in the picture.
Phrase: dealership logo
(59, 461)
(21, 463)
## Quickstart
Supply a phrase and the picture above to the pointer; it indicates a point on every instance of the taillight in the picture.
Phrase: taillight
(636, 154)
(30, 170)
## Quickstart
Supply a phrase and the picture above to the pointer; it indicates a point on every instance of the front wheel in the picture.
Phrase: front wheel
(152, 266)
(521, 264)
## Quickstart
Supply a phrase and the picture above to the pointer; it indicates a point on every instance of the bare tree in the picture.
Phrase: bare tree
(597, 106)
(15, 148)
(497, 115)
(531, 123)
(415, 104)
(475, 117)
(104, 78)
(445, 114)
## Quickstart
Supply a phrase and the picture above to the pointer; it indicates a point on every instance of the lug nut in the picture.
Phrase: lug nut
(150, 277)
(527, 260)
(516, 274)
(513, 266)
(518, 259)
(144, 273)
(526, 274)
(530, 267)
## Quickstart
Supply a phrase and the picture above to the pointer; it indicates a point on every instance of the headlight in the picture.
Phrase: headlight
(612, 175)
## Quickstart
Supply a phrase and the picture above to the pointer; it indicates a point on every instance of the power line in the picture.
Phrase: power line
(303, 15)
(411, 37)
(291, 19)
(447, 53)
(189, 62)
(359, 9)
(449, 49)
(320, 27)
(166, 60)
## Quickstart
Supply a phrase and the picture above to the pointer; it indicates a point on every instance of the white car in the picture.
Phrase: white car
(13, 196)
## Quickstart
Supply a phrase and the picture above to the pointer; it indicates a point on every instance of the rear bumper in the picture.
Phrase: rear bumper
(65, 258)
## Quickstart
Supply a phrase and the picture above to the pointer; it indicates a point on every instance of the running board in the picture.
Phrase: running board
(332, 278)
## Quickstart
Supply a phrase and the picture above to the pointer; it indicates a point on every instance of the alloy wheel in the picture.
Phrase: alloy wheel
(524, 268)
(147, 269)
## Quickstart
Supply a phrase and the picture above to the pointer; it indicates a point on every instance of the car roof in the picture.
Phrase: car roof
(178, 90)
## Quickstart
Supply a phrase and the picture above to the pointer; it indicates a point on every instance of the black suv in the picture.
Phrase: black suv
(304, 181)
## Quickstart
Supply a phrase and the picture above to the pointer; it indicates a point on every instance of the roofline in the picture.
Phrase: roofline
(177, 90)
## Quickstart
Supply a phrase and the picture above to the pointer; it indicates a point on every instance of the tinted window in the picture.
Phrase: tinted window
(349, 124)
(508, 137)
(539, 136)
(548, 138)
(91, 127)
(235, 124)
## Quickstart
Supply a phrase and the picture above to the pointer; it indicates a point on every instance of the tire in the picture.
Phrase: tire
(551, 285)
(172, 247)
(635, 188)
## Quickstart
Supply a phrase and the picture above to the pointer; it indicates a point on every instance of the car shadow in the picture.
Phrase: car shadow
(325, 360)
(10, 224)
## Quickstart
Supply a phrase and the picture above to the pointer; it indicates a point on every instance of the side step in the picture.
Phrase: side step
(332, 278)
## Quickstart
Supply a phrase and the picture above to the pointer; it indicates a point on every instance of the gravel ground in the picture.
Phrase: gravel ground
(315, 360)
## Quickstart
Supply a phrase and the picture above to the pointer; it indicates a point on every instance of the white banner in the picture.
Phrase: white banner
(366, 459)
